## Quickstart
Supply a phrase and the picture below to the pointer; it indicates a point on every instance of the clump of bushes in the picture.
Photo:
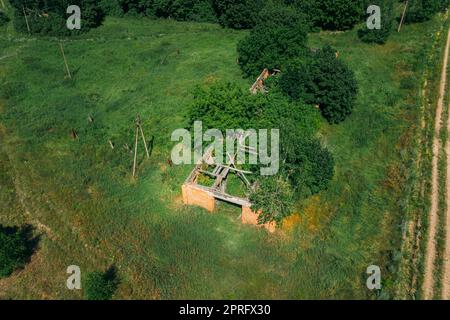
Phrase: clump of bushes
(49, 17)
(101, 285)
(279, 36)
(322, 80)
(16, 247)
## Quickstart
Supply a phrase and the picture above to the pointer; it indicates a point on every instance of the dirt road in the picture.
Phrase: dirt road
(428, 284)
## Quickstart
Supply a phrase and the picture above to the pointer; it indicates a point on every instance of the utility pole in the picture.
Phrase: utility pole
(65, 61)
(136, 138)
(403, 16)
(26, 18)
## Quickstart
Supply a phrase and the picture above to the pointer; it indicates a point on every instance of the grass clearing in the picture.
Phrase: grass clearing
(83, 192)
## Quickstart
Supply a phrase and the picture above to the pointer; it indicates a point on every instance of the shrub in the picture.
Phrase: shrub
(379, 36)
(238, 14)
(101, 285)
(309, 166)
(323, 80)
(279, 37)
(16, 247)
(274, 199)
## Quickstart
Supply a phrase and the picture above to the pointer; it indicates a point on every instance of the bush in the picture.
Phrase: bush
(101, 285)
(49, 17)
(273, 197)
(280, 37)
(238, 14)
(379, 36)
(323, 80)
(16, 247)
(3, 18)
(308, 165)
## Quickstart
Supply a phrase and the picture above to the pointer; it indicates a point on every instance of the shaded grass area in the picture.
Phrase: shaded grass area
(99, 216)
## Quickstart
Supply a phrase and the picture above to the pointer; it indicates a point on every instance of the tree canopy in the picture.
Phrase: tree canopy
(324, 80)
(279, 36)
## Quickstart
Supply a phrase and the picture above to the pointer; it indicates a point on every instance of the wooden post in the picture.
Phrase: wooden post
(65, 60)
(26, 19)
(145, 142)
(403, 16)
(135, 151)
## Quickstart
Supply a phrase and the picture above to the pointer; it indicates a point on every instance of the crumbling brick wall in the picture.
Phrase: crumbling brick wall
(198, 197)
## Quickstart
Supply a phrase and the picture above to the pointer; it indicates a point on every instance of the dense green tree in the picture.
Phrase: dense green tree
(322, 80)
(16, 247)
(279, 37)
(101, 285)
(238, 14)
(331, 14)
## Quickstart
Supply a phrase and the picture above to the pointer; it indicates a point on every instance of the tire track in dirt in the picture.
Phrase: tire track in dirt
(430, 255)
(445, 293)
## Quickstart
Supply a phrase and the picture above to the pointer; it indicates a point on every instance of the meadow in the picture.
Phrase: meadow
(90, 212)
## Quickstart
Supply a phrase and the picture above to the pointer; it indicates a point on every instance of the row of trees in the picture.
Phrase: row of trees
(49, 16)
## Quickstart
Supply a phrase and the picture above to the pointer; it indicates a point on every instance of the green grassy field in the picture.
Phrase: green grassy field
(90, 212)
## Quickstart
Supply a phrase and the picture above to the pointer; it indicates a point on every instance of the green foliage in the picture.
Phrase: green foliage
(280, 35)
(423, 10)
(331, 14)
(273, 198)
(305, 164)
(379, 36)
(49, 17)
(308, 165)
(16, 247)
(101, 285)
(322, 80)
(4, 19)
(183, 10)
(238, 14)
